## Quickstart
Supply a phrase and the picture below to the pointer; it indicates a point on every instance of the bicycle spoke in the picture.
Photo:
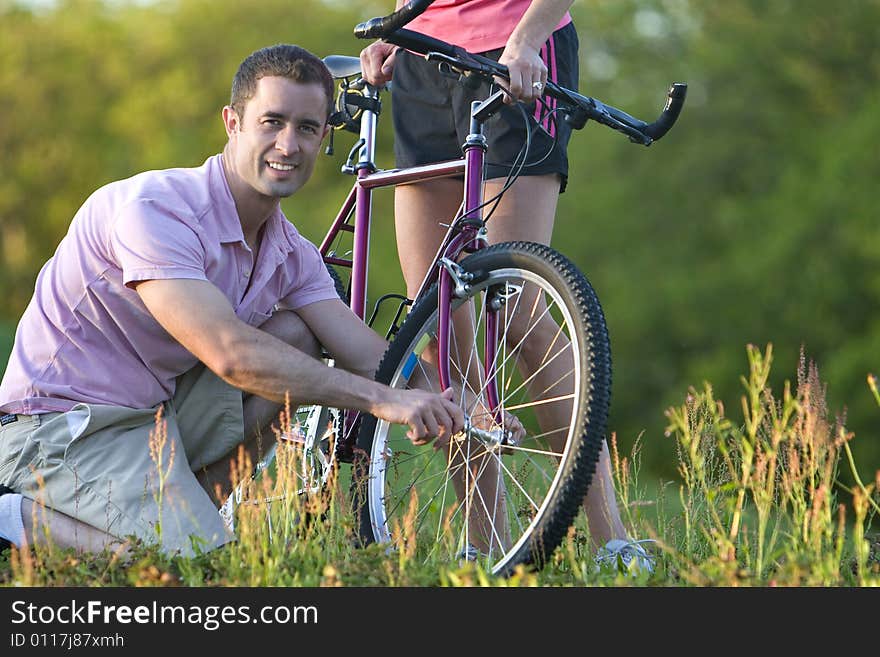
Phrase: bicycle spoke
(538, 371)
(482, 390)
(492, 523)
(528, 450)
(410, 486)
(518, 485)
(401, 495)
(443, 503)
(541, 402)
(544, 357)
(544, 434)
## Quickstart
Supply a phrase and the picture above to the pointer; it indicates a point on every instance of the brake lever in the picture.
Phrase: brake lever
(469, 80)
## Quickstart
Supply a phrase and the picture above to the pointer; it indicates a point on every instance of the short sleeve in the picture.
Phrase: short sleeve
(150, 242)
(312, 282)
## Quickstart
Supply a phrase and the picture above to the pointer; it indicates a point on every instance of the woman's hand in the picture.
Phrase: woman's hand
(377, 62)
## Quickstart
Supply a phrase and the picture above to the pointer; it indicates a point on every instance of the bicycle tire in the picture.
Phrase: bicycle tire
(378, 498)
(338, 284)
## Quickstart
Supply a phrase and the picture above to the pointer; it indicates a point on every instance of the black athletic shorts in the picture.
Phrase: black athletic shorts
(431, 114)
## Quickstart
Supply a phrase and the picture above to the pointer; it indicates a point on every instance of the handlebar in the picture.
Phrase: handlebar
(382, 26)
(579, 109)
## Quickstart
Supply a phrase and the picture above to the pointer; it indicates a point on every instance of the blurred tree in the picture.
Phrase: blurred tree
(754, 220)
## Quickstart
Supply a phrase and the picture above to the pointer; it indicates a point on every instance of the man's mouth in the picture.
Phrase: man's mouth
(280, 166)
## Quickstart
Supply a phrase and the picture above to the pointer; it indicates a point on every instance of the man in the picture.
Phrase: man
(185, 293)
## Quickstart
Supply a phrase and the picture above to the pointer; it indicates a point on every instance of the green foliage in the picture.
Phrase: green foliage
(753, 221)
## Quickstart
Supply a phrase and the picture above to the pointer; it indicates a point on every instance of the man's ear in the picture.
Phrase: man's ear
(231, 120)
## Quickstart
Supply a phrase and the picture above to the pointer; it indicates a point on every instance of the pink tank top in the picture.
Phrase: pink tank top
(475, 25)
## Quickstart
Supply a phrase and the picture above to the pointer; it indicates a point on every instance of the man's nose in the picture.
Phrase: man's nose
(286, 142)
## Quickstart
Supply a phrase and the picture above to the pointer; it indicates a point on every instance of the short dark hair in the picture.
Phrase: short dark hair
(282, 60)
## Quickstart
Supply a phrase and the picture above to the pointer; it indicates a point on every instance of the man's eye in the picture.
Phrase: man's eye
(271, 122)
(309, 129)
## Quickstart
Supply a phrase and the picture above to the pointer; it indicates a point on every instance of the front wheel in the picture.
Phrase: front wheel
(507, 490)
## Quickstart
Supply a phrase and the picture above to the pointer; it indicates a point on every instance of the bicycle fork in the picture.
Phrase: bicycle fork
(455, 282)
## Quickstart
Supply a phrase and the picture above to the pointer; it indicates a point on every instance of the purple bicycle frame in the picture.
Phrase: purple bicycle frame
(359, 200)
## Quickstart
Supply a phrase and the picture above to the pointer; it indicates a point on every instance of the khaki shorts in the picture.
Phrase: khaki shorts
(94, 463)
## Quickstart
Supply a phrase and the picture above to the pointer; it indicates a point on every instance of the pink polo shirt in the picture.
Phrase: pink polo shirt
(475, 25)
(87, 337)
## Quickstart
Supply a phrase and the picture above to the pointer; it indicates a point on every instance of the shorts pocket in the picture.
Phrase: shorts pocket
(17, 449)
(111, 435)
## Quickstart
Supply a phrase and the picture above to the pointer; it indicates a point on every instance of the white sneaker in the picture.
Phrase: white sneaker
(627, 556)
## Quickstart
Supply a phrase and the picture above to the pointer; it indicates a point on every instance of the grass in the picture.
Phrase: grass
(759, 503)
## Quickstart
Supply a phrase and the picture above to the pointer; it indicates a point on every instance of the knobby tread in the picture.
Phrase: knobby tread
(337, 283)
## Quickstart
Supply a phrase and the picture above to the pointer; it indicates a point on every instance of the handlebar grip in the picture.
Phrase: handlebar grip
(378, 28)
(677, 94)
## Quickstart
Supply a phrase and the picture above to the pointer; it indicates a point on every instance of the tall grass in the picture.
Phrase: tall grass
(760, 501)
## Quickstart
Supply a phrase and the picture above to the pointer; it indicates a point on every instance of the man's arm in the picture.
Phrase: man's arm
(198, 315)
(354, 345)
(358, 348)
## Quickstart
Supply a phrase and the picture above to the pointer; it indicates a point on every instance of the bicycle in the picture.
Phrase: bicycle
(507, 488)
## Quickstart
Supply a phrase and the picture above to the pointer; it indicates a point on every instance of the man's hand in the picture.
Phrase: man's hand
(428, 415)
(377, 62)
(425, 377)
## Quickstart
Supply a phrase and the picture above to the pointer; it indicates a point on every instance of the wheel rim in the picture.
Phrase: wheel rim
(530, 472)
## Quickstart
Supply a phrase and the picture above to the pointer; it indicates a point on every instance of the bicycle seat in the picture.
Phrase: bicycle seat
(343, 66)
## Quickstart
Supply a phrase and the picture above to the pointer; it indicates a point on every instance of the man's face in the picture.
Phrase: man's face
(275, 143)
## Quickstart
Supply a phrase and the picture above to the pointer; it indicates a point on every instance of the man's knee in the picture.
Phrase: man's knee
(289, 327)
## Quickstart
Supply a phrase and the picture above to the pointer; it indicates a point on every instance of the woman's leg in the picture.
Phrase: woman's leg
(527, 212)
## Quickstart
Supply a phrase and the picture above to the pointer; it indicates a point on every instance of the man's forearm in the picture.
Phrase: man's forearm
(267, 367)
(274, 370)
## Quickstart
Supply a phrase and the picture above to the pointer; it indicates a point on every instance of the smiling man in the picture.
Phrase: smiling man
(185, 293)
